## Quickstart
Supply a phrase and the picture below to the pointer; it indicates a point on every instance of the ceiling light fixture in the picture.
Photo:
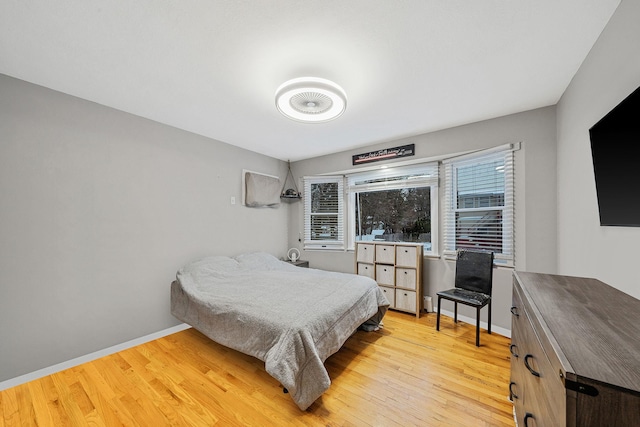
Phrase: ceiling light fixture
(311, 100)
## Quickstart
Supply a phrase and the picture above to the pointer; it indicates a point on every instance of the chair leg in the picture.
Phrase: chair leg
(478, 327)
(438, 316)
(455, 312)
(489, 317)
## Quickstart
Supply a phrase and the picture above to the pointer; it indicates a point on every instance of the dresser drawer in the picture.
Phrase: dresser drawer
(406, 278)
(366, 252)
(390, 294)
(385, 254)
(406, 300)
(538, 384)
(366, 270)
(407, 256)
(517, 388)
(530, 325)
(385, 274)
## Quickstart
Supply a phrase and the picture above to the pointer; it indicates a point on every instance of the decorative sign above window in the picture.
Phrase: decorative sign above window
(385, 154)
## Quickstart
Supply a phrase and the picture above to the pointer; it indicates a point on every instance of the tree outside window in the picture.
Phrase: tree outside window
(399, 215)
(395, 205)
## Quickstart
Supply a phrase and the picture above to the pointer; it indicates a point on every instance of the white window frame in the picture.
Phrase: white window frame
(507, 256)
(317, 244)
(431, 181)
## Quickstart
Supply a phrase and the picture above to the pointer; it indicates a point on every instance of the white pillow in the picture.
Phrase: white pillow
(258, 261)
(208, 266)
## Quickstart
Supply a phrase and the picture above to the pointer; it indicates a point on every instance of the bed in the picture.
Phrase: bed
(289, 317)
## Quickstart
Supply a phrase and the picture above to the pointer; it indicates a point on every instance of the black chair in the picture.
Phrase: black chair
(473, 284)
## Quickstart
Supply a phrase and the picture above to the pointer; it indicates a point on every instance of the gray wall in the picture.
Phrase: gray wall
(98, 209)
(610, 73)
(535, 198)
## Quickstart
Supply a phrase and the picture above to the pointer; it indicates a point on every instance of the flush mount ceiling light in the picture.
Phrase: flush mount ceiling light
(311, 99)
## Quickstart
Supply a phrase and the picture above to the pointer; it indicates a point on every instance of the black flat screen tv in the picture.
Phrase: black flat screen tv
(615, 148)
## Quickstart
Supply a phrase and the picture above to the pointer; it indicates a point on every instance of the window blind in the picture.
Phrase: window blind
(479, 204)
(422, 175)
(324, 212)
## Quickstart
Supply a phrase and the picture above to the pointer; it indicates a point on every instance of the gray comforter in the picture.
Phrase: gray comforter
(291, 318)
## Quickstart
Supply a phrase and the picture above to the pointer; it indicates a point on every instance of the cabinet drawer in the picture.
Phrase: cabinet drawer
(406, 278)
(385, 254)
(518, 316)
(517, 387)
(390, 294)
(406, 256)
(366, 270)
(539, 387)
(406, 300)
(366, 252)
(545, 393)
(385, 274)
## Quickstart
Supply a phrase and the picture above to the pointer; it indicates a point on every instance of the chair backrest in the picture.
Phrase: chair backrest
(474, 271)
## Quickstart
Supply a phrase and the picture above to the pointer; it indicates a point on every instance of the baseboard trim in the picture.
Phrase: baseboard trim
(89, 357)
(497, 329)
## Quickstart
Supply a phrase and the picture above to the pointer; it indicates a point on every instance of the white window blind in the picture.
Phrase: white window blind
(324, 212)
(422, 175)
(479, 204)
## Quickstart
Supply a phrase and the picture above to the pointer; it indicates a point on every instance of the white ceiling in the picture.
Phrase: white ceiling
(212, 67)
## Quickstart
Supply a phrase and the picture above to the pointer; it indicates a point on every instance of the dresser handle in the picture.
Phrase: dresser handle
(526, 363)
(526, 418)
(513, 353)
(511, 393)
(514, 311)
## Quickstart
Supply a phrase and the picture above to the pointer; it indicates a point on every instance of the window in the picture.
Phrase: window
(479, 204)
(323, 212)
(395, 204)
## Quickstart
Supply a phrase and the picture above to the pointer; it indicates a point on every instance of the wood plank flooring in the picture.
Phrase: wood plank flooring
(406, 374)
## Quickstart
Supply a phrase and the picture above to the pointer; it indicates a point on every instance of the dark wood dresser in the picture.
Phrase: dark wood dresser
(575, 353)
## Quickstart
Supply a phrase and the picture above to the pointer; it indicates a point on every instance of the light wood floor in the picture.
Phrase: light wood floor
(406, 374)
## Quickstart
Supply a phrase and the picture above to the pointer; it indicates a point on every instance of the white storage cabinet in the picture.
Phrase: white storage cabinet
(397, 268)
